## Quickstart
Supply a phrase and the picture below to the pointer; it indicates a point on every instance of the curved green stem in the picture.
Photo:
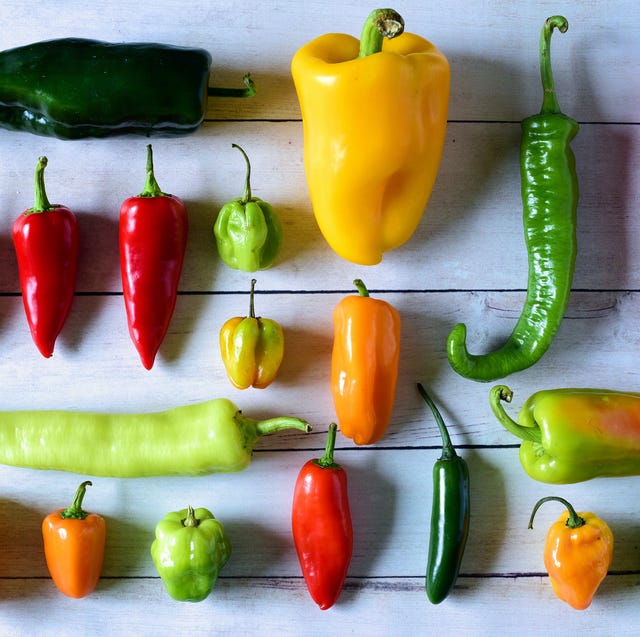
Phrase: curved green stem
(151, 187)
(279, 423)
(41, 202)
(247, 180)
(326, 462)
(75, 510)
(448, 450)
(361, 287)
(252, 308)
(549, 100)
(380, 24)
(501, 393)
(573, 522)
(249, 89)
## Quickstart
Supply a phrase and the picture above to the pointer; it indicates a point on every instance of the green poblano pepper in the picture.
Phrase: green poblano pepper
(247, 230)
(189, 550)
(74, 88)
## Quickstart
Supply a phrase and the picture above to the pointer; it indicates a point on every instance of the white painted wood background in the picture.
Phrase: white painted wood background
(465, 262)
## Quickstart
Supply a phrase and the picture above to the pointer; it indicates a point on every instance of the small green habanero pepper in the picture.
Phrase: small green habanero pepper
(247, 230)
(189, 550)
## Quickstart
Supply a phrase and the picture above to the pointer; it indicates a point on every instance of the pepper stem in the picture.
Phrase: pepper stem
(151, 187)
(249, 89)
(252, 308)
(326, 462)
(380, 24)
(41, 202)
(501, 393)
(279, 423)
(448, 450)
(247, 180)
(75, 510)
(361, 287)
(549, 99)
(191, 520)
(574, 521)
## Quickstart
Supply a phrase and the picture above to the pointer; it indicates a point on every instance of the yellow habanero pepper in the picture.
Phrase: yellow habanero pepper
(374, 116)
(251, 348)
(577, 554)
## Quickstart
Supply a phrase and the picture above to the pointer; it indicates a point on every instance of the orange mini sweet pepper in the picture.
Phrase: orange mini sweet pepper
(74, 542)
(364, 364)
(577, 554)
(374, 114)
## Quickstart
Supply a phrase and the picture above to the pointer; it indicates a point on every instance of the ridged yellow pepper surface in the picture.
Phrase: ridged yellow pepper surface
(374, 116)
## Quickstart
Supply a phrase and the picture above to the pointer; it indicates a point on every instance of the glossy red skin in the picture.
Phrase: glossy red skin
(153, 240)
(322, 530)
(46, 245)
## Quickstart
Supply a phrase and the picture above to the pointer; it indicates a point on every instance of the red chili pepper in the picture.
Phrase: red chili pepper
(321, 525)
(46, 240)
(153, 239)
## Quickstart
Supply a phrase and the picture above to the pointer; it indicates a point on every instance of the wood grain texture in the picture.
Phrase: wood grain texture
(466, 262)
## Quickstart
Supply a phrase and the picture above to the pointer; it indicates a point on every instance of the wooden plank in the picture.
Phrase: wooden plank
(378, 607)
(96, 358)
(474, 216)
(492, 48)
(391, 492)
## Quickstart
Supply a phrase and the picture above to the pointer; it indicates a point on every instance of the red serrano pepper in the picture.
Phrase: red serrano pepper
(153, 239)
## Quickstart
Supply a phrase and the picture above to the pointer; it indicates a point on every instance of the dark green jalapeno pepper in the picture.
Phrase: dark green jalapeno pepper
(207, 437)
(450, 513)
(73, 88)
(550, 198)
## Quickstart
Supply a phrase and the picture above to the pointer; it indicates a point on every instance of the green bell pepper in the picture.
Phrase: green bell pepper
(72, 88)
(247, 230)
(572, 435)
(189, 550)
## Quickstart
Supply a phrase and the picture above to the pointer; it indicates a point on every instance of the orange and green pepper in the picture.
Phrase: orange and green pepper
(572, 435)
(74, 542)
(364, 364)
(374, 115)
(252, 348)
(577, 554)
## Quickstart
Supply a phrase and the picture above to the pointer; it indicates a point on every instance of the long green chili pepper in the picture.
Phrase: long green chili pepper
(207, 437)
(549, 188)
(449, 514)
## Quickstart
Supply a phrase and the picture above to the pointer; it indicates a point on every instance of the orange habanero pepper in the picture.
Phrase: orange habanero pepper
(364, 365)
(74, 546)
(577, 554)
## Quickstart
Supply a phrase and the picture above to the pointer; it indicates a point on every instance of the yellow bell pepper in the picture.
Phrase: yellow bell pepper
(374, 116)
(252, 348)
